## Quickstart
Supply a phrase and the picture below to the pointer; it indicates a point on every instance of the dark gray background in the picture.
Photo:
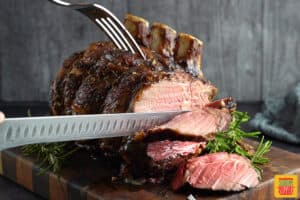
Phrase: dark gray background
(251, 47)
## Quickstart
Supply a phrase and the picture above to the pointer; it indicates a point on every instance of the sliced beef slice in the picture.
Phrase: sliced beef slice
(202, 123)
(217, 171)
(168, 154)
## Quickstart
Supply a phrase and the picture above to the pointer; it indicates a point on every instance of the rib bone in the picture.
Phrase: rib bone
(188, 52)
(138, 27)
(162, 39)
(186, 49)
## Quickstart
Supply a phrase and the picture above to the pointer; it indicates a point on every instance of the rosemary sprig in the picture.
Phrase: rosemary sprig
(51, 156)
(230, 141)
(257, 158)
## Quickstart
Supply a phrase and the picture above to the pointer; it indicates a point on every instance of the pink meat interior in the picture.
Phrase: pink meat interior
(201, 122)
(217, 171)
(169, 95)
(167, 150)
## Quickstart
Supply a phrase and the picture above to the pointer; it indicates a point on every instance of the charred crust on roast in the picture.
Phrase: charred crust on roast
(225, 103)
(120, 96)
(90, 95)
(156, 135)
(57, 88)
(160, 134)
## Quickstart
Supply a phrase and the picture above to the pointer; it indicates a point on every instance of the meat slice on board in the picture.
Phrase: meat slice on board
(168, 154)
(217, 171)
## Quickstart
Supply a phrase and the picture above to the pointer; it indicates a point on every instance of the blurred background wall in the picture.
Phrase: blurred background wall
(251, 48)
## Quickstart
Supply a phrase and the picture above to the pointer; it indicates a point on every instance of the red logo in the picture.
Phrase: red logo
(285, 186)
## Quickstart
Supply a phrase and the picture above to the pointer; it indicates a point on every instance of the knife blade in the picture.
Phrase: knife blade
(32, 130)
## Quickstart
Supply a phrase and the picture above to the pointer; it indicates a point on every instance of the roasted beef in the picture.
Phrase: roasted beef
(104, 79)
(112, 81)
(217, 171)
(201, 123)
(178, 140)
(155, 160)
(168, 154)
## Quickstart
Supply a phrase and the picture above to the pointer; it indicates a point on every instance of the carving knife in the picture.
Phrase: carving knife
(32, 130)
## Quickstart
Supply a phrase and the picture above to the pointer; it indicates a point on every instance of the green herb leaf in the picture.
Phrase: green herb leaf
(230, 141)
(52, 156)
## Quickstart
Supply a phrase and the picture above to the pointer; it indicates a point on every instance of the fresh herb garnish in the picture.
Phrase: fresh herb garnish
(51, 156)
(258, 158)
(231, 141)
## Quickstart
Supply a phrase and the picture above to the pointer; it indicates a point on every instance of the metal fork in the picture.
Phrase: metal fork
(108, 22)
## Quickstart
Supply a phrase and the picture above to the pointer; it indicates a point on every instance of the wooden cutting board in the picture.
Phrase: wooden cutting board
(87, 179)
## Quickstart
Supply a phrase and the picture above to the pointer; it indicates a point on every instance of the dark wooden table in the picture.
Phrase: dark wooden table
(11, 191)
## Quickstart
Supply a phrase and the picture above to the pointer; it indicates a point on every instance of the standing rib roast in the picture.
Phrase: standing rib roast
(104, 79)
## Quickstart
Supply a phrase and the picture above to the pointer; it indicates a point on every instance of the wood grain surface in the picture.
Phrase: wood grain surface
(87, 179)
(251, 48)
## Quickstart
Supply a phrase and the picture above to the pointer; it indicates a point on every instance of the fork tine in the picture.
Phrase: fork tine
(108, 22)
(60, 2)
(123, 29)
(121, 34)
(128, 35)
(114, 33)
(108, 33)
